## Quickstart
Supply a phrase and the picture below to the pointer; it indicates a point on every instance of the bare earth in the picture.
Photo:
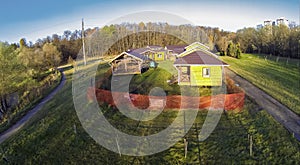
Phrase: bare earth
(280, 113)
(16, 127)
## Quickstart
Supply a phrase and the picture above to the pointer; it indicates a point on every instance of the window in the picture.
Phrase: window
(206, 72)
(159, 56)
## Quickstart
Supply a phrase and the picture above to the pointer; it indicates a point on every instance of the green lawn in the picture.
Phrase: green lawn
(277, 79)
(168, 66)
(50, 138)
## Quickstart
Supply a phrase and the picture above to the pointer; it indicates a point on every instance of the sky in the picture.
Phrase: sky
(34, 19)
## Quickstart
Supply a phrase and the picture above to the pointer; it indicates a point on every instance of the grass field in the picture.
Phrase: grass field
(279, 80)
(55, 136)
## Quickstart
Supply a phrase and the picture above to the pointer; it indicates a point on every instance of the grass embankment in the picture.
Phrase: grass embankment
(30, 101)
(55, 136)
(279, 80)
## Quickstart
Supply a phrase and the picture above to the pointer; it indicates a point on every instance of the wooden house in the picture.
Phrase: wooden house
(199, 67)
(129, 63)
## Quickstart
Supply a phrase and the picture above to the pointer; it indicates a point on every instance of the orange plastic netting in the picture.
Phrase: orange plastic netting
(224, 101)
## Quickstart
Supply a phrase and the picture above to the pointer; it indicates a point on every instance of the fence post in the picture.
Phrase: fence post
(251, 145)
(75, 129)
(185, 147)
(199, 151)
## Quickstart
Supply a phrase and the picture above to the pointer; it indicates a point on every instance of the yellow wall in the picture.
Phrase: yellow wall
(156, 58)
(197, 78)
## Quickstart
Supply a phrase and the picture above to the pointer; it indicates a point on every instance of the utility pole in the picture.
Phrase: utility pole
(83, 46)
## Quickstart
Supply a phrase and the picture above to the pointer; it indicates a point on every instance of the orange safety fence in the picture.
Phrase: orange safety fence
(224, 101)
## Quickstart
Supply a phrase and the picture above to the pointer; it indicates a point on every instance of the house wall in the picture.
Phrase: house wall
(197, 79)
(163, 57)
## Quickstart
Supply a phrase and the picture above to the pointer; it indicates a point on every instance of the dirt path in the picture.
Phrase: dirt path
(280, 113)
(16, 127)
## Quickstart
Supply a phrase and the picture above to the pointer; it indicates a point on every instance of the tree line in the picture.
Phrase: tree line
(278, 40)
(23, 68)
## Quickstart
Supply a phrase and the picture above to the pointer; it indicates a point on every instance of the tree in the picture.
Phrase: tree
(23, 42)
(221, 45)
(230, 50)
(12, 75)
(247, 38)
(238, 51)
(52, 57)
(67, 34)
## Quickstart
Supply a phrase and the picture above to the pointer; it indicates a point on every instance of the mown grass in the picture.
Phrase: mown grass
(168, 66)
(55, 136)
(279, 80)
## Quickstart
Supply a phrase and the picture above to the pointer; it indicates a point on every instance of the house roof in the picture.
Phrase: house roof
(154, 47)
(138, 55)
(138, 50)
(176, 48)
(132, 54)
(197, 44)
(199, 58)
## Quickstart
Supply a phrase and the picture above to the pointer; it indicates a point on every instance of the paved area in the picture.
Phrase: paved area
(280, 113)
(16, 127)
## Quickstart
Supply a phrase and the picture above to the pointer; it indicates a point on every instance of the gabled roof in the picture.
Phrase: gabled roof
(197, 44)
(138, 50)
(199, 58)
(132, 54)
(176, 48)
(138, 55)
(154, 47)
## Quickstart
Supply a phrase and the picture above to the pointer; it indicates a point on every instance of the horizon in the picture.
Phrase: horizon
(54, 17)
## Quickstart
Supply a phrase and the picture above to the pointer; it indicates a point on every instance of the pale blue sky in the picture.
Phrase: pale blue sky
(35, 19)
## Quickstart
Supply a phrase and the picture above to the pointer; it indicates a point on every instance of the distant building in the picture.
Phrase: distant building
(282, 21)
(267, 23)
(260, 26)
(279, 21)
(292, 24)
